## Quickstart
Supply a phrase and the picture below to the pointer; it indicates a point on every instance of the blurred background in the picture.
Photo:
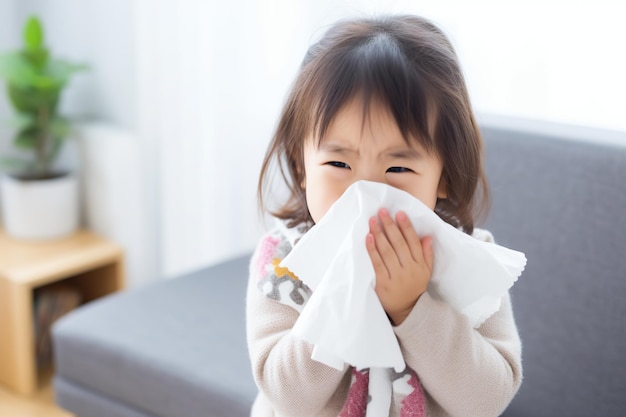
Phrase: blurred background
(182, 97)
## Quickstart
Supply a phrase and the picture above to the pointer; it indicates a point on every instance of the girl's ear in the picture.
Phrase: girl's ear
(442, 188)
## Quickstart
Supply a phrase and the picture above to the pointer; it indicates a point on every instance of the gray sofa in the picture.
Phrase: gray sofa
(177, 348)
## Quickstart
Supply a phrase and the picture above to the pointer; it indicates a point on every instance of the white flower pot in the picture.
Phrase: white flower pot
(40, 209)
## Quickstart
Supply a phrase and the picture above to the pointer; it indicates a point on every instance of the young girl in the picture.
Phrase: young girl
(381, 100)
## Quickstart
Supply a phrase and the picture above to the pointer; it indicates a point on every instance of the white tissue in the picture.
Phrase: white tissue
(344, 319)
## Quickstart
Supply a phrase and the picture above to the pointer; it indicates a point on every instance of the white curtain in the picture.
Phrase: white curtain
(208, 94)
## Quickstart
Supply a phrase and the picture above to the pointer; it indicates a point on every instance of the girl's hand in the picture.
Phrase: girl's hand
(402, 262)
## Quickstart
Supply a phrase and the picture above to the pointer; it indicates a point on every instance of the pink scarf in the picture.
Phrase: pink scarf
(413, 405)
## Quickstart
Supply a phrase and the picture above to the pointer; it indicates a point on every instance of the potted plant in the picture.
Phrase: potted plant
(39, 201)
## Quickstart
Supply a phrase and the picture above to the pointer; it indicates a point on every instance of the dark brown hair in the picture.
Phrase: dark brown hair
(407, 64)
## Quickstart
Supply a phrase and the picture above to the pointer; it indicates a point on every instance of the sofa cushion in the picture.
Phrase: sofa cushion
(86, 403)
(563, 203)
(175, 348)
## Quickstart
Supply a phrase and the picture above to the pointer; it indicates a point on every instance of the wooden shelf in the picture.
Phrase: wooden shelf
(92, 264)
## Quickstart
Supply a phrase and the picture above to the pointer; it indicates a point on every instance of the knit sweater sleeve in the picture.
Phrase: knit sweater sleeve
(465, 371)
(288, 379)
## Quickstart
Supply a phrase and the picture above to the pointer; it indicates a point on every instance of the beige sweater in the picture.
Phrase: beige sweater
(463, 371)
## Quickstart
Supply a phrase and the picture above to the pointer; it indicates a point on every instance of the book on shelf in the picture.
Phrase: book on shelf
(51, 303)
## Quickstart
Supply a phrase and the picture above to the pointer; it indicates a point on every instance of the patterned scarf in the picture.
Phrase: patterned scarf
(373, 392)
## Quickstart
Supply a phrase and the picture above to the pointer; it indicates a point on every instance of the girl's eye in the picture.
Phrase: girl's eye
(399, 169)
(338, 164)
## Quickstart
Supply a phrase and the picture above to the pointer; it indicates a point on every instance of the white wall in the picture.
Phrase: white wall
(552, 60)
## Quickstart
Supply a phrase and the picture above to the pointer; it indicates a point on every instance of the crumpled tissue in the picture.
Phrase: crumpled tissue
(344, 319)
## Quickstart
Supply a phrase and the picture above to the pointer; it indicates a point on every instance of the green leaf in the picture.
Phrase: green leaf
(17, 70)
(21, 121)
(26, 139)
(33, 33)
(21, 73)
(37, 57)
(33, 100)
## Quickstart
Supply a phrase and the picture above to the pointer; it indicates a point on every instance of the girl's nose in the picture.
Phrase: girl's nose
(372, 175)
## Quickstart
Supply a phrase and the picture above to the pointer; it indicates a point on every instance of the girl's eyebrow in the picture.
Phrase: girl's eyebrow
(337, 148)
(392, 153)
(403, 153)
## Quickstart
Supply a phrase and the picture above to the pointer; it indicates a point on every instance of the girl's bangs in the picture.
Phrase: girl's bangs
(376, 69)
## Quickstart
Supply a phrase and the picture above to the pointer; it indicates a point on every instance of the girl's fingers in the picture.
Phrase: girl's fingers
(410, 236)
(394, 236)
(402, 262)
(377, 262)
(383, 247)
(427, 250)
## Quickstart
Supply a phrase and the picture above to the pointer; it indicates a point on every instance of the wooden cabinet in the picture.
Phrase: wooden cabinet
(89, 263)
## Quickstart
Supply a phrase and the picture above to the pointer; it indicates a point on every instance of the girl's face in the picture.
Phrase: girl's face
(375, 151)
